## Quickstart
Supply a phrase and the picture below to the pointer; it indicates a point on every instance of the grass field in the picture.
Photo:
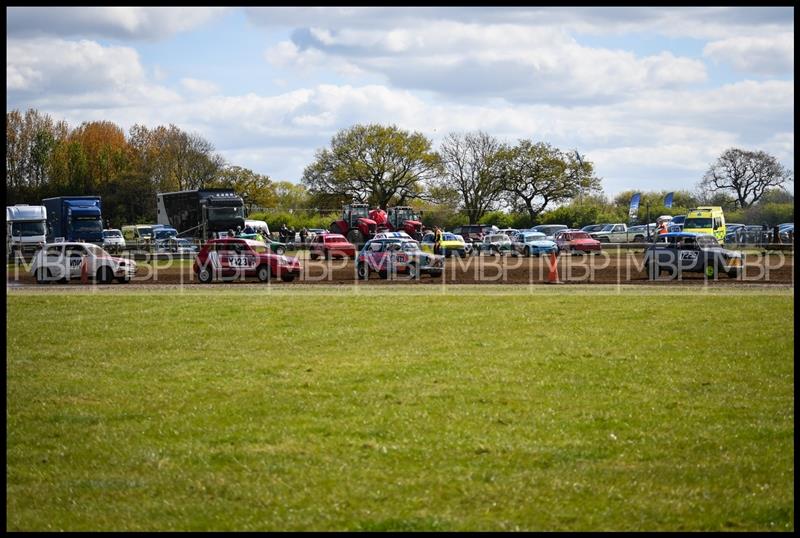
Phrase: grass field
(391, 410)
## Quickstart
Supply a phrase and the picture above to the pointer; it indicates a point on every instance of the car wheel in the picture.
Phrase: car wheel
(710, 271)
(263, 273)
(312, 256)
(123, 280)
(383, 274)
(287, 278)
(735, 273)
(327, 255)
(413, 272)
(204, 275)
(104, 275)
(280, 250)
(362, 270)
(638, 239)
(436, 274)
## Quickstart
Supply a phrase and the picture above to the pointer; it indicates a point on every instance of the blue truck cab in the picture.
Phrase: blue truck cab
(74, 218)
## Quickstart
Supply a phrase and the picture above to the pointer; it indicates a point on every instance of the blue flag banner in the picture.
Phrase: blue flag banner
(668, 200)
(634, 205)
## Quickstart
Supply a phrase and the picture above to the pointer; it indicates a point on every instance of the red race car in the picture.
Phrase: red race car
(576, 242)
(330, 245)
(230, 258)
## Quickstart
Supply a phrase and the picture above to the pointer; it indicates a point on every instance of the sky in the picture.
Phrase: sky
(651, 95)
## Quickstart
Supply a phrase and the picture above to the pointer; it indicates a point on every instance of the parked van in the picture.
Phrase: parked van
(706, 220)
(258, 225)
(138, 236)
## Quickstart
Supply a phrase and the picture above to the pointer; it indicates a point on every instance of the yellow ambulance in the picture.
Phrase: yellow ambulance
(706, 220)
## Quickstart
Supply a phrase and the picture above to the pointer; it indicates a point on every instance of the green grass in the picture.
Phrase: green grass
(467, 409)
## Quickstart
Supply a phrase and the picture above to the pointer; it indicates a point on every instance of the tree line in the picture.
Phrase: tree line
(471, 177)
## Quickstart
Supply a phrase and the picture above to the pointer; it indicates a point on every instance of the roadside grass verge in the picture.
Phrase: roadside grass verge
(388, 410)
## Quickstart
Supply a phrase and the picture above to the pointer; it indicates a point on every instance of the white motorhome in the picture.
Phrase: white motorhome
(26, 228)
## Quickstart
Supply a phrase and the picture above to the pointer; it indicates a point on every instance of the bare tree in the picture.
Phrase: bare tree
(744, 174)
(469, 166)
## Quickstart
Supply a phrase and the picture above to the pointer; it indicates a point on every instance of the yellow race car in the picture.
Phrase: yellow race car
(450, 244)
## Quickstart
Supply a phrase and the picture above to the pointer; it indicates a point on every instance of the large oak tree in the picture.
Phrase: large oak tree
(376, 164)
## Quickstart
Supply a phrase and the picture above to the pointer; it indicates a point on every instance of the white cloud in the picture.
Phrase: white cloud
(78, 73)
(694, 22)
(773, 55)
(508, 61)
(106, 22)
(199, 87)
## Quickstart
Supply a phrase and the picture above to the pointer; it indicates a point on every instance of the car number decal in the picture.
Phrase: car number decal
(75, 262)
(239, 261)
(688, 255)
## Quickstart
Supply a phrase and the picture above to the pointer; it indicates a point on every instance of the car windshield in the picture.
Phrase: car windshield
(112, 233)
(165, 233)
(579, 235)
(607, 228)
(697, 222)
(534, 237)
(410, 246)
(27, 229)
(95, 250)
(449, 237)
(335, 239)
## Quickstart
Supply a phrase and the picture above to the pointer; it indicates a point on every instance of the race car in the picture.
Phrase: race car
(64, 262)
(681, 252)
(496, 244)
(329, 245)
(232, 258)
(450, 244)
(391, 256)
(576, 241)
(532, 244)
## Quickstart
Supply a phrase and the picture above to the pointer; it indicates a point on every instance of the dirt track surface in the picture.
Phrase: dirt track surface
(625, 268)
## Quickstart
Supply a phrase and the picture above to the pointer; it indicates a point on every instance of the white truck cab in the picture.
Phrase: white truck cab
(26, 228)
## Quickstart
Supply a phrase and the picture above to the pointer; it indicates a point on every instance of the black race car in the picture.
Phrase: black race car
(682, 252)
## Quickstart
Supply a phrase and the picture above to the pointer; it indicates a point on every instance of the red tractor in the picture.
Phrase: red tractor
(398, 219)
(355, 224)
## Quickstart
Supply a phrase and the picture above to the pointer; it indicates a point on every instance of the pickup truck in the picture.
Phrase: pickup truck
(620, 233)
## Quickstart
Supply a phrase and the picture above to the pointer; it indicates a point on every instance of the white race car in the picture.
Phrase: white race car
(64, 261)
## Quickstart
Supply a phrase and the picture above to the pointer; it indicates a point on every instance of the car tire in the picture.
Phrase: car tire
(280, 250)
(327, 255)
(104, 275)
(287, 278)
(436, 273)
(204, 275)
(383, 274)
(710, 271)
(362, 271)
(735, 273)
(312, 256)
(638, 239)
(263, 273)
(413, 271)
